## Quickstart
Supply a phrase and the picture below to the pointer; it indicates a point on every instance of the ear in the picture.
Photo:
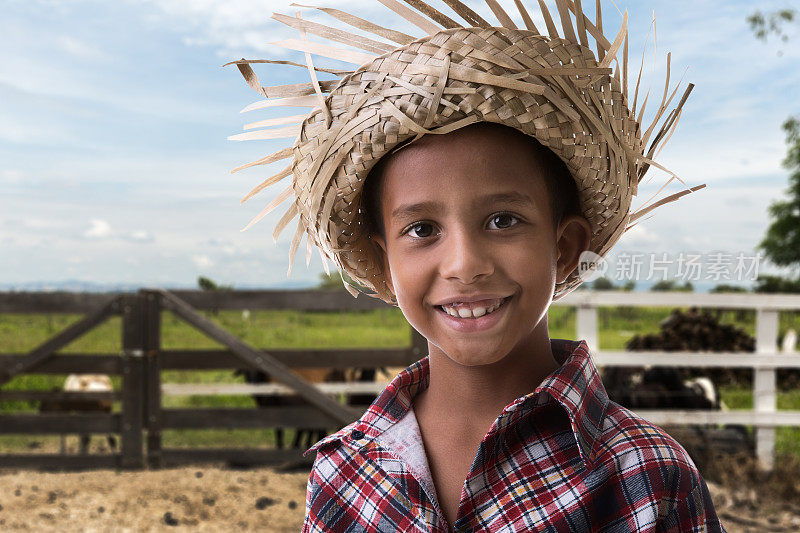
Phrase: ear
(381, 249)
(574, 236)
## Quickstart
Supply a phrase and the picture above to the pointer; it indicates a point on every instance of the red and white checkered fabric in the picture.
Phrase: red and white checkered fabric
(561, 458)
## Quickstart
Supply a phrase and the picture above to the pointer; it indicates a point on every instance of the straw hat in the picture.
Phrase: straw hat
(552, 87)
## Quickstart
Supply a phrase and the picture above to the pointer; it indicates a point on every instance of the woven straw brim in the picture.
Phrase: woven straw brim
(552, 89)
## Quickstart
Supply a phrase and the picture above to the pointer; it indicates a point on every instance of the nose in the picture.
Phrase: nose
(465, 258)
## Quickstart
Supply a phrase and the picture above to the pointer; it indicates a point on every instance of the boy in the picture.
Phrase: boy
(460, 177)
(468, 224)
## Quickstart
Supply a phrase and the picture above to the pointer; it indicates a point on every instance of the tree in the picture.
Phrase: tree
(773, 284)
(669, 285)
(782, 241)
(726, 287)
(605, 284)
(207, 284)
(332, 281)
(763, 26)
(781, 244)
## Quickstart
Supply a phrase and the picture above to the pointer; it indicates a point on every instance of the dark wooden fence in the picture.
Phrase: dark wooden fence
(141, 361)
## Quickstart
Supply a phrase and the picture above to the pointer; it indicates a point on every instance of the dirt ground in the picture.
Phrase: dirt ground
(185, 499)
(218, 499)
(741, 510)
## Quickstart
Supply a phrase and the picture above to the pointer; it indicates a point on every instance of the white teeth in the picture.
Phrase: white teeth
(470, 313)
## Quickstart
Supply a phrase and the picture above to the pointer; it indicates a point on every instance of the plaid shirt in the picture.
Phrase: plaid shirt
(561, 458)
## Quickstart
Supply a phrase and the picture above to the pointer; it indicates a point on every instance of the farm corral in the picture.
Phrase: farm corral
(181, 429)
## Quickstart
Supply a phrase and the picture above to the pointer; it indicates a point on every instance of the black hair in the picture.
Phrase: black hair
(561, 186)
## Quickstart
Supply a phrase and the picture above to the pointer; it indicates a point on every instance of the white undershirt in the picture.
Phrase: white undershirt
(404, 440)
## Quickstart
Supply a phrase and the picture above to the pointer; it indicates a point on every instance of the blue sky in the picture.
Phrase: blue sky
(114, 118)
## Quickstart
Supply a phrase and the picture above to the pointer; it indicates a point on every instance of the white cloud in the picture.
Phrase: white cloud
(228, 247)
(10, 177)
(234, 25)
(698, 241)
(39, 223)
(202, 261)
(100, 229)
(639, 236)
(218, 242)
(730, 137)
(238, 26)
(141, 236)
(80, 50)
(13, 130)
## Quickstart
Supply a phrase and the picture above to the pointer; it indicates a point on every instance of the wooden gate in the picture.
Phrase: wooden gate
(142, 360)
(129, 364)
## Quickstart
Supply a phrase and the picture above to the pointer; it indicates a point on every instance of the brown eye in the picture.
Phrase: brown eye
(423, 233)
(504, 220)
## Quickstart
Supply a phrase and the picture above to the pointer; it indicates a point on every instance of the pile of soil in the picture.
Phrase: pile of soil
(694, 331)
(700, 331)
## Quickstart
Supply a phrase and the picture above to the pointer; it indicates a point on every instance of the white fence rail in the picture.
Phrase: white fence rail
(764, 361)
(267, 389)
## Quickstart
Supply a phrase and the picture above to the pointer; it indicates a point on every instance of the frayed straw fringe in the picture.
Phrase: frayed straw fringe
(406, 87)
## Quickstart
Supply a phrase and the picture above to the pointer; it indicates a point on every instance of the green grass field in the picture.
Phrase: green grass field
(289, 329)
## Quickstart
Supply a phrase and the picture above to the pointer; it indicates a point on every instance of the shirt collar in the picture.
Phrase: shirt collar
(575, 385)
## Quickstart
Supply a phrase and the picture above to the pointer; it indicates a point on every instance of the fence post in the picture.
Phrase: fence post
(132, 381)
(152, 380)
(586, 326)
(764, 384)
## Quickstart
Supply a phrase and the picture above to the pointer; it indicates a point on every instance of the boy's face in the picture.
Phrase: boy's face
(467, 219)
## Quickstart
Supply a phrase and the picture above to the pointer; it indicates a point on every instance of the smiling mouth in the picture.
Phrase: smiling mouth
(476, 312)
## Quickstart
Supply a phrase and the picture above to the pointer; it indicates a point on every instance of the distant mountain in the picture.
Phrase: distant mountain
(91, 286)
(68, 286)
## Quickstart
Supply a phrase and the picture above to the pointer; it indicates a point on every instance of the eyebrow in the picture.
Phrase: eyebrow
(510, 197)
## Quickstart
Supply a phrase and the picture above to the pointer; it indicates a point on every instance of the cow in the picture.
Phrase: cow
(789, 344)
(314, 375)
(82, 383)
(659, 387)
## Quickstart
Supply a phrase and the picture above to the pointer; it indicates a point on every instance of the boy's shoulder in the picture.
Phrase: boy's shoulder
(624, 431)
(629, 446)
(640, 464)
